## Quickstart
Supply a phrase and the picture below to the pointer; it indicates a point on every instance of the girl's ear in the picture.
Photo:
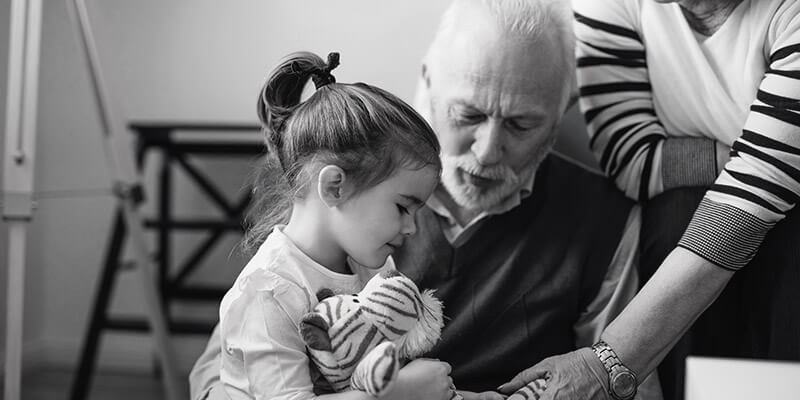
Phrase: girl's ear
(331, 185)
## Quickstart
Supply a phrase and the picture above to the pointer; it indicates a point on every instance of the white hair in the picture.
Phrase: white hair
(533, 20)
(527, 18)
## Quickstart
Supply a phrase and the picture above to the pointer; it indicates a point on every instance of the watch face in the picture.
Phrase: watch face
(623, 385)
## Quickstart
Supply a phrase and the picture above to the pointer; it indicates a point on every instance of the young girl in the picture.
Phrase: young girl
(358, 163)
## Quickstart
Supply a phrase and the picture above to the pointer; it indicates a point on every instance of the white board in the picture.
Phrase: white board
(732, 379)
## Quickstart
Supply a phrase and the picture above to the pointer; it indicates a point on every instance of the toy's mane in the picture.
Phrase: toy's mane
(428, 329)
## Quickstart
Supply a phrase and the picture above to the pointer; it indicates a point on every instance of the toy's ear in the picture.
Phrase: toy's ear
(314, 331)
(324, 293)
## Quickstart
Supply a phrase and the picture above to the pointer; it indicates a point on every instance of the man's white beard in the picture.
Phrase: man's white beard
(473, 198)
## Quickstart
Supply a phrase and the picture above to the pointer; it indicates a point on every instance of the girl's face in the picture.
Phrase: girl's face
(371, 225)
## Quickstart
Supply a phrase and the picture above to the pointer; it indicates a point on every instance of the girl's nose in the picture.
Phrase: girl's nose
(409, 225)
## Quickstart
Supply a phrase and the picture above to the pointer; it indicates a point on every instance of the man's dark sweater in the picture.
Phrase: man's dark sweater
(514, 290)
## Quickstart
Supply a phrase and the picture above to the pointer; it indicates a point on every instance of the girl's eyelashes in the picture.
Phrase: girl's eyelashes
(402, 209)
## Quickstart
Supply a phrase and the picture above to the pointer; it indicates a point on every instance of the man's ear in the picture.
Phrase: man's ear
(330, 185)
(573, 92)
(426, 77)
(422, 100)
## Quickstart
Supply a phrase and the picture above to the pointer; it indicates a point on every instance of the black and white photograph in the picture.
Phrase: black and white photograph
(385, 200)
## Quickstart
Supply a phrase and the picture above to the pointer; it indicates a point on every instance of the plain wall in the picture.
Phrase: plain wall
(188, 60)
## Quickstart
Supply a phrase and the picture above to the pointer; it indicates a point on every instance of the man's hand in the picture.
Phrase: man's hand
(575, 375)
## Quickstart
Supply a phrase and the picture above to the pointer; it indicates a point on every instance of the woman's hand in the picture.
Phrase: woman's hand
(575, 375)
(423, 379)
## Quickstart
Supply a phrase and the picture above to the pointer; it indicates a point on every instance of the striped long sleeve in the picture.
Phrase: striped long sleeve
(761, 183)
(625, 134)
(758, 186)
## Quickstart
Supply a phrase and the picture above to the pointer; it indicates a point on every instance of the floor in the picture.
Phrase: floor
(54, 384)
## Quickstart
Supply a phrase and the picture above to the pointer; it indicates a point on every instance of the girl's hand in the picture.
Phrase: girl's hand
(423, 379)
(481, 396)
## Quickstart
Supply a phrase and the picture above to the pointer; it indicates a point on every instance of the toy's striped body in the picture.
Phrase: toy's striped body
(359, 341)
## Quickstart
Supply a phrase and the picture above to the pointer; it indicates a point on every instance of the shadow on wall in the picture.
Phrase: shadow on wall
(573, 141)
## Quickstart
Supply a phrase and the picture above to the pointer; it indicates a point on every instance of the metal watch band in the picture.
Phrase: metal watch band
(614, 367)
(607, 356)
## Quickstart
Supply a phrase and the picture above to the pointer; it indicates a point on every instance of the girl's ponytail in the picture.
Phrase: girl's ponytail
(281, 95)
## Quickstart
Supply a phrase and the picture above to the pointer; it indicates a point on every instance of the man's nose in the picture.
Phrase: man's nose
(488, 145)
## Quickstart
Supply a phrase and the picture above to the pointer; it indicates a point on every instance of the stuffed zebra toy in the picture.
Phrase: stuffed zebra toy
(359, 341)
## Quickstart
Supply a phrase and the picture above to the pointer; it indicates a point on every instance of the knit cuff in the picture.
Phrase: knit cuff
(724, 234)
(688, 162)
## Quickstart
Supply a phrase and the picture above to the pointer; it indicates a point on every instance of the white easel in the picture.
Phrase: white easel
(18, 182)
(23, 75)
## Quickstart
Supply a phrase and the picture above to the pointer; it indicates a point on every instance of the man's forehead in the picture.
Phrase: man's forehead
(513, 83)
(507, 95)
(519, 64)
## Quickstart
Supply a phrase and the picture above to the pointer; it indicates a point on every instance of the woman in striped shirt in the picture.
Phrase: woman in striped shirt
(698, 94)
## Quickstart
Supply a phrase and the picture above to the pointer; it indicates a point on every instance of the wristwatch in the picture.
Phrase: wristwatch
(621, 380)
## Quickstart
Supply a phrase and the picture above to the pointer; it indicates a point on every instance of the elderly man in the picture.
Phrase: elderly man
(666, 85)
(531, 254)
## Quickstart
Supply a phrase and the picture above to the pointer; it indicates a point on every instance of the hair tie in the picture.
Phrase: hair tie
(322, 77)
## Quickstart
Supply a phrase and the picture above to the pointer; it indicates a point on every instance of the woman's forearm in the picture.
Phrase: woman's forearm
(681, 289)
